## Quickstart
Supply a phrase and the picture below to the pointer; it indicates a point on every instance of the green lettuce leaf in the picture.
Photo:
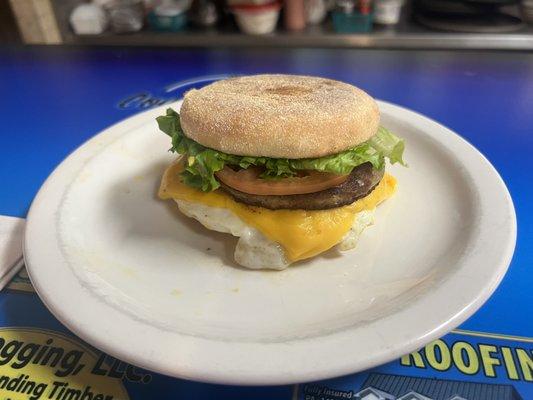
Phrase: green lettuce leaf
(389, 145)
(343, 162)
(203, 162)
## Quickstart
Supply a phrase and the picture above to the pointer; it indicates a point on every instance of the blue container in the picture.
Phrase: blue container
(353, 22)
(167, 20)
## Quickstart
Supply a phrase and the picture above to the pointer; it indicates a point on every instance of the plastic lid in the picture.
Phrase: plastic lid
(256, 7)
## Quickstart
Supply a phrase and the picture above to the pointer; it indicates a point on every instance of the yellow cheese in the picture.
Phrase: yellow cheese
(302, 233)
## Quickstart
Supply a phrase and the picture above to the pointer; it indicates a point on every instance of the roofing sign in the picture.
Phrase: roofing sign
(463, 365)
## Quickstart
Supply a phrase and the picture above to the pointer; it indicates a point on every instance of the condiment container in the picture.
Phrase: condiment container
(203, 13)
(348, 19)
(527, 11)
(315, 11)
(294, 15)
(88, 19)
(125, 15)
(168, 17)
(387, 12)
(257, 19)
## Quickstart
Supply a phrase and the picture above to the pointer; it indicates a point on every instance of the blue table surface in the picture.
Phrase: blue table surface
(54, 98)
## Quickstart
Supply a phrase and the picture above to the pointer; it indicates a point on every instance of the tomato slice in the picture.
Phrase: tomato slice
(248, 181)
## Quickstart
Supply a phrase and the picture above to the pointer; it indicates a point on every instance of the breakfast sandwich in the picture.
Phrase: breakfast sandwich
(292, 165)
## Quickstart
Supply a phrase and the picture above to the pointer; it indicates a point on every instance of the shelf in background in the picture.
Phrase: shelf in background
(408, 34)
(405, 35)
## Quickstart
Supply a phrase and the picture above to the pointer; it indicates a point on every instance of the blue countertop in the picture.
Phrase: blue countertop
(54, 98)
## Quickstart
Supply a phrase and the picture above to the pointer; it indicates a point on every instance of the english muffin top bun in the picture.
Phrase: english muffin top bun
(280, 116)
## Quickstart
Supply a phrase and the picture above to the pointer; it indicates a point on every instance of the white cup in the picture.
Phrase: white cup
(258, 20)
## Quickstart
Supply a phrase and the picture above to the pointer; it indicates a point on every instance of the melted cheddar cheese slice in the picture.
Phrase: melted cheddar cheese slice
(301, 233)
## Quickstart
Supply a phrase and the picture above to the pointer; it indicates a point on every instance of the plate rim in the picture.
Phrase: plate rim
(220, 372)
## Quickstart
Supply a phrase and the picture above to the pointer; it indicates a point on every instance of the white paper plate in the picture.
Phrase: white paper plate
(130, 275)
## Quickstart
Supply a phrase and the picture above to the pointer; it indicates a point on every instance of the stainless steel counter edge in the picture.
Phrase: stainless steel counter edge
(505, 41)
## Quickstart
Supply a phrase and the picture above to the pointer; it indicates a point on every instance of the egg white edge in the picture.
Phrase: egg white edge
(254, 250)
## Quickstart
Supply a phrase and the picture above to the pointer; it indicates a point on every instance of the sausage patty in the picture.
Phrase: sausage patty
(362, 180)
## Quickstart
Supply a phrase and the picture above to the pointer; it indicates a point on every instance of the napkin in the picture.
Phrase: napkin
(11, 233)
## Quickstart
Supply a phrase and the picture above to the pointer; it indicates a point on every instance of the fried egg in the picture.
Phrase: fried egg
(254, 250)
